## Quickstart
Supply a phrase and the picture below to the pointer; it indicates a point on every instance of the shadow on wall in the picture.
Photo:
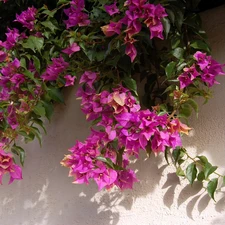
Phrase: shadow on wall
(209, 129)
(47, 197)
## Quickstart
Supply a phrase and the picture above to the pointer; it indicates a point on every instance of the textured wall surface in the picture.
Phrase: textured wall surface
(46, 195)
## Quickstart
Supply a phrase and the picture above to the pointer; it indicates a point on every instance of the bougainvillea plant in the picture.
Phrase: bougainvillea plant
(108, 47)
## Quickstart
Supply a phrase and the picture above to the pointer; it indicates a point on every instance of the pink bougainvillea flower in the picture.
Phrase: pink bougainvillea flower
(202, 59)
(69, 80)
(157, 31)
(15, 173)
(136, 3)
(112, 28)
(27, 18)
(133, 28)
(11, 38)
(104, 176)
(177, 126)
(11, 68)
(17, 79)
(71, 49)
(112, 9)
(52, 72)
(3, 56)
(8, 166)
(111, 133)
(175, 140)
(131, 51)
(185, 80)
(79, 4)
(160, 141)
(126, 179)
(208, 78)
(6, 160)
(88, 77)
(191, 72)
(153, 15)
(4, 94)
(76, 17)
(160, 11)
(12, 118)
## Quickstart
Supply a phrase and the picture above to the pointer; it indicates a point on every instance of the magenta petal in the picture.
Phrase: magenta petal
(15, 173)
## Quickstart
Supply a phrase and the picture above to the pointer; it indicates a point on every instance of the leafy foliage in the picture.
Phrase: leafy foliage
(111, 47)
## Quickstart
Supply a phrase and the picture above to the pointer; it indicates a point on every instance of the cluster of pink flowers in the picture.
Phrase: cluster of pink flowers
(12, 36)
(8, 166)
(138, 11)
(12, 81)
(53, 70)
(123, 129)
(76, 14)
(205, 68)
(27, 18)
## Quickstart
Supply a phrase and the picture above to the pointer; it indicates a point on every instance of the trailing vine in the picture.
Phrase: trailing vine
(108, 47)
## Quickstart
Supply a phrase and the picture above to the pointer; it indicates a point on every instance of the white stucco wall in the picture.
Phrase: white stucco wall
(46, 195)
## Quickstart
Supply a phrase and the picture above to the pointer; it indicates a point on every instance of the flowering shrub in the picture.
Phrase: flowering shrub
(109, 46)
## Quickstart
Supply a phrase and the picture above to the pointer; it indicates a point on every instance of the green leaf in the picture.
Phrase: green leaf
(209, 169)
(193, 104)
(201, 176)
(48, 24)
(29, 75)
(34, 43)
(211, 187)
(166, 26)
(223, 180)
(109, 163)
(177, 154)
(185, 110)
(131, 84)
(105, 160)
(180, 161)
(178, 53)
(200, 45)
(37, 63)
(20, 152)
(39, 109)
(179, 18)
(171, 15)
(37, 134)
(180, 172)
(49, 13)
(191, 172)
(166, 155)
(181, 66)
(28, 137)
(56, 94)
(170, 69)
(203, 159)
(23, 63)
(113, 61)
(40, 123)
(60, 2)
(175, 42)
(49, 109)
